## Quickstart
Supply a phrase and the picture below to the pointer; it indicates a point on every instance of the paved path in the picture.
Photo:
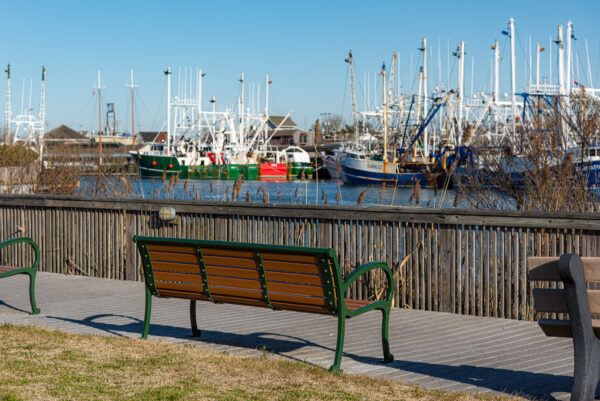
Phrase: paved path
(435, 350)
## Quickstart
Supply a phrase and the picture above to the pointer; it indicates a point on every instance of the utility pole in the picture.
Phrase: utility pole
(131, 85)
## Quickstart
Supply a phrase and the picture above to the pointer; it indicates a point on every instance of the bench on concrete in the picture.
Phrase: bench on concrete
(7, 271)
(272, 276)
(580, 303)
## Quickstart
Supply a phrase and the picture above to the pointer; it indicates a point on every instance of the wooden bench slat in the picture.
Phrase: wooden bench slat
(240, 301)
(546, 268)
(594, 301)
(227, 253)
(173, 257)
(232, 272)
(236, 292)
(230, 282)
(179, 277)
(591, 269)
(176, 267)
(556, 328)
(183, 294)
(286, 257)
(296, 299)
(301, 308)
(210, 260)
(284, 277)
(549, 300)
(299, 289)
(543, 268)
(171, 248)
(290, 267)
(353, 304)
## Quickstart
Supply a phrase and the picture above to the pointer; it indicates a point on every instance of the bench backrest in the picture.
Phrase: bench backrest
(554, 300)
(280, 277)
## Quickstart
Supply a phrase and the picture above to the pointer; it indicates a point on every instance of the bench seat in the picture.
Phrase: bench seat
(271, 276)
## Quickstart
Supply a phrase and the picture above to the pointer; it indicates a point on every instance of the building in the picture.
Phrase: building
(288, 133)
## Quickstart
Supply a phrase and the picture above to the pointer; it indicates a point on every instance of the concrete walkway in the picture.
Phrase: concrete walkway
(435, 350)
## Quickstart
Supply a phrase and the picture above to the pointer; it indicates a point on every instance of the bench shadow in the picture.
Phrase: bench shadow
(528, 384)
(4, 304)
(516, 382)
(268, 341)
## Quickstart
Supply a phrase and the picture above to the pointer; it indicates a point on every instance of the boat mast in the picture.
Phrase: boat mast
(511, 25)
(99, 87)
(496, 73)
(267, 82)
(350, 61)
(425, 136)
(8, 105)
(561, 62)
(42, 111)
(461, 78)
(384, 116)
(537, 66)
(168, 74)
(131, 85)
(568, 64)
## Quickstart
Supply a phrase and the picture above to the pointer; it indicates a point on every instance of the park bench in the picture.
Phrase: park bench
(272, 276)
(580, 303)
(7, 271)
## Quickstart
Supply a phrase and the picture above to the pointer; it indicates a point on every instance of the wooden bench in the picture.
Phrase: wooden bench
(580, 303)
(277, 277)
(6, 271)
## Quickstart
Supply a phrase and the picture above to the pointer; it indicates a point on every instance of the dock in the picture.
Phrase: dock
(438, 350)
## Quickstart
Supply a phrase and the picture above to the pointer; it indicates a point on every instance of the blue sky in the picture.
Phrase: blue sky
(301, 45)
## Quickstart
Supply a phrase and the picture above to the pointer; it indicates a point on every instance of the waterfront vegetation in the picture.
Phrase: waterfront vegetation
(42, 364)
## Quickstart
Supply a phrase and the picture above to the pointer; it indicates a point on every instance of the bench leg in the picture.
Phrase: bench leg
(34, 308)
(587, 369)
(339, 349)
(387, 356)
(147, 314)
(195, 331)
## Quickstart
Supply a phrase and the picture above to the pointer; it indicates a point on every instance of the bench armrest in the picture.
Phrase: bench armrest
(359, 271)
(29, 241)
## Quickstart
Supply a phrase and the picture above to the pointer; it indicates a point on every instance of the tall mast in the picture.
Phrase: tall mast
(8, 105)
(568, 64)
(425, 135)
(168, 74)
(537, 66)
(511, 25)
(99, 87)
(496, 73)
(267, 97)
(199, 96)
(384, 115)
(350, 61)
(242, 113)
(561, 60)
(131, 85)
(42, 111)
(461, 80)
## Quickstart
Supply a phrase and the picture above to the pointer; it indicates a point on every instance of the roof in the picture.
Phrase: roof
(63, 132)
(274, 121)
(284, 132)
(149, 136)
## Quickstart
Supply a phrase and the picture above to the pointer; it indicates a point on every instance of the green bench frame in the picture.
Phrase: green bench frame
(7, 271)
(333, 285)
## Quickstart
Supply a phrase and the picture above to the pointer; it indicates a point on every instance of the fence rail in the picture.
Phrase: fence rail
(453, 260)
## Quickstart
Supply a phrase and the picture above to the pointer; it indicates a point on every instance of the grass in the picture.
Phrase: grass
(41, 364)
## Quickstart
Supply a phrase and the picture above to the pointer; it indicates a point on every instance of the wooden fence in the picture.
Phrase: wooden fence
(461, 261)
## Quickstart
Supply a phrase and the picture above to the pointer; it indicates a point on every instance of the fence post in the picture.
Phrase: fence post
(445, 265)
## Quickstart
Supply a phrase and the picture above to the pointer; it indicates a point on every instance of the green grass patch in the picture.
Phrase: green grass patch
(41, 364)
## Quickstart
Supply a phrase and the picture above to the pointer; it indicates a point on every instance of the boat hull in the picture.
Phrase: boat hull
(156, 166)
(376, 172)
(298, 171)
(269, 171)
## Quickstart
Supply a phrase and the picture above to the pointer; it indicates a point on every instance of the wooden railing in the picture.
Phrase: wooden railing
(453, 260)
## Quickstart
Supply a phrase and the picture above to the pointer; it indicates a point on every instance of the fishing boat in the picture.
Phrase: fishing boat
(298, 163)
